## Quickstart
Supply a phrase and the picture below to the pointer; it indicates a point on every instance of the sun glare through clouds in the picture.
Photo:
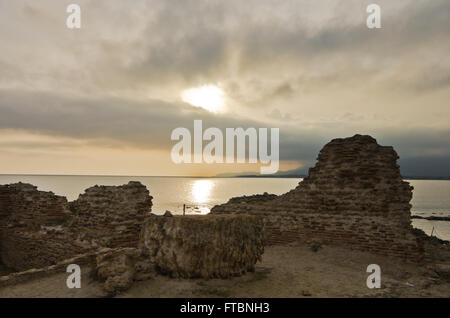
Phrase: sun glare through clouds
(209, 97)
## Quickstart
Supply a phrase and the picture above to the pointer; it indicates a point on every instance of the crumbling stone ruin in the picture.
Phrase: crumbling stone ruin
(354, 195)
(119, 268)
(110, 216)
(111, 230)
(211, 246)
(39, 228)
(32, 227)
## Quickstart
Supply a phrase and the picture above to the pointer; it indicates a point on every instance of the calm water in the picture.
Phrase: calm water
(431, 197)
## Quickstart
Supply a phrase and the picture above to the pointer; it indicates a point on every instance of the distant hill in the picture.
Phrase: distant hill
(303, 172)
(294, 173)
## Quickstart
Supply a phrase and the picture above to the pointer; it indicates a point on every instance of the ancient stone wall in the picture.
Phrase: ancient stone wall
(111, 216)
(30, 208)
(31, 227)
(354, 195)
(4, 211)
(39, 228)
(86, 259)
(4, 204)
(203, 246)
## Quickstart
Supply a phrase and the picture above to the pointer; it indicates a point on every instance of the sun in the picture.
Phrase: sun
(201, 191)
(209, 97)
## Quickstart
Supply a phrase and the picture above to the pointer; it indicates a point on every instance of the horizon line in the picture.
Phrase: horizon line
(203, 177)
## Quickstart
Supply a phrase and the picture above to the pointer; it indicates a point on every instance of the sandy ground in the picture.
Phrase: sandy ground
(285, 271)
(54, 287)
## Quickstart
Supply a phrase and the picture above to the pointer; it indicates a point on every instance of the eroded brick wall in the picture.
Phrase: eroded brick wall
(4, 212)
(354, 195)
(4, 203)
(23, 250)
(32, 227)
(111, 216)
(39, 228)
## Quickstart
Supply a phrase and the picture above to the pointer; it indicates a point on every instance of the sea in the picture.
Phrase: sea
(430, 197)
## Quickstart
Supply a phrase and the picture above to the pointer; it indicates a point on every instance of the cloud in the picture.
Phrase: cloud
(138, 124)
(118, 123)
(310, 68)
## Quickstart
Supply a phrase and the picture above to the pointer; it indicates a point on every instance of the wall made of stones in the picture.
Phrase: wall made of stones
(31, 227)
(354, 195)
(24, 250)
(111, 216)
(39, 228)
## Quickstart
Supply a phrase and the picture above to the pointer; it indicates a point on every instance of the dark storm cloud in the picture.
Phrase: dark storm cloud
(121, 121)
(198, 37)
(118, 122)
(275, 60)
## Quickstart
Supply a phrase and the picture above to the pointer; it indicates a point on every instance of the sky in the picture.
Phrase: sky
(104, 99)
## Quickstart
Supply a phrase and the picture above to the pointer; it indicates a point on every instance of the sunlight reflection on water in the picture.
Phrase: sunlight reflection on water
(430, 197)
(201, 192)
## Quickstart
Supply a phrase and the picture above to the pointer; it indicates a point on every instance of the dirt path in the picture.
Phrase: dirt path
(285, 271)
(297, 271)
(54, 287)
